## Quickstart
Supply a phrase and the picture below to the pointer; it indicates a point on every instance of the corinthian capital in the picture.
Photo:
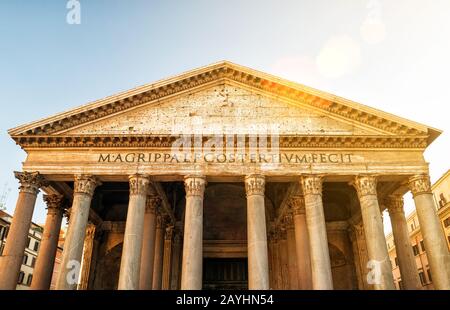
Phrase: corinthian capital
(312, 184)
(160, 221)
(153, 203)
(85, 184)
(297, 204)
(288, 221)
(394, 204)
(420, 184)
(255, 184)
(139, 184)
(30, 182)
(54, 203)
(365, 185)
(169, 232)
(194, 185)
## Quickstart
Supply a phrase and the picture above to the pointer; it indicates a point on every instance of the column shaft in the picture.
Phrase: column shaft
(258, 265)
(87, 257)
(148, 244)
(159, 253)
(302, 243)
(176, 260)
(276, 262)
(432, 232)
(167, 259)
(405, 255)
(284, 263)
(69, 273)
(191, 272)
(379, 263)
(134, 229)
(317, 232)
(43, 270)
(12, 256)
(292, 252)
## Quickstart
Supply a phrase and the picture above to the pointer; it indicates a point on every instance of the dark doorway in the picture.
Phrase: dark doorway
(225, 274)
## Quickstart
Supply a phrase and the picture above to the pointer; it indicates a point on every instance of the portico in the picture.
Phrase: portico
(225, 177)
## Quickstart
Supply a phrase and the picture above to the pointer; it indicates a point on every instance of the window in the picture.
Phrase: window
(2, 232)
(422, 278)
(33, 261)
(429, 275)
(36, 245)
(29, 242)
(442, 200)
(21, 276)
(25, 259)
(415, 249)
(422, 245)
(29, 279)
(1, 249)
(447, 222)
(412, 226)
(396, 261)
(448, 237)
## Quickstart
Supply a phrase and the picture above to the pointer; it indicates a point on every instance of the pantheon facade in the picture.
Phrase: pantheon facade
(224, 177)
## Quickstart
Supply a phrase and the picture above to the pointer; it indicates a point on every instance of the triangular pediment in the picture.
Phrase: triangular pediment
(223, 97)
(220, 109)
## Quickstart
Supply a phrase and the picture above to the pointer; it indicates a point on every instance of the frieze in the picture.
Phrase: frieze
(225, 158)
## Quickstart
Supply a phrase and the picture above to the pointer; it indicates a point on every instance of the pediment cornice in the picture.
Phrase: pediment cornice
(154, 141)
(46, 129)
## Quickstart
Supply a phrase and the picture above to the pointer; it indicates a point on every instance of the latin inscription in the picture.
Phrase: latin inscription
(224, 158)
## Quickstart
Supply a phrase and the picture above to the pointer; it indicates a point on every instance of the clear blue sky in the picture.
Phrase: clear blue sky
(391, 55)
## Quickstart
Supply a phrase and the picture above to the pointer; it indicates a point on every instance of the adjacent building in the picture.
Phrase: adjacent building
(441, 193)
(31, 250)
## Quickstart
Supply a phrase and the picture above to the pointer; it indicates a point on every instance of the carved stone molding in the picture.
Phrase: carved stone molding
(30, 182)
(177, 235)
(394, 204)
(365, 185)
(255, 184)
(281, 232)
(160, 141)
(85, 184)
(312, 184)
(139, 184)
(169, 232)
(90, 231)
(297, 204)
(54, 204)
(152, 204)
(194, 185)
(66, 214)
(160, 221)
(420, 184)
(288, 220)
(358, 229)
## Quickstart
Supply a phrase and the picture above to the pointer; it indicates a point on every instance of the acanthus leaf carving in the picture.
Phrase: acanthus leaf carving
(30, 182)
(255, 184)
(85, 184)
(420, 184)
(139, 184)
(312, 184)
(365, 185)
(194, 185)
